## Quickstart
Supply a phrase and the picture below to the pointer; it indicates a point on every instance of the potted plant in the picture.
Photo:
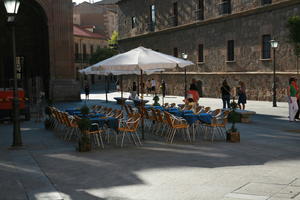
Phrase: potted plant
(232, 135)
(156, 99)
(84, 142)
(85, 110)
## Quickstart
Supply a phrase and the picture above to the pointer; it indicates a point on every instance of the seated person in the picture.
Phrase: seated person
(194, 93)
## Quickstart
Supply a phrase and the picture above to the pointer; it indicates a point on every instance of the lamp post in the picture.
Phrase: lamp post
(274, 45)
(12, 7)
(184, 56)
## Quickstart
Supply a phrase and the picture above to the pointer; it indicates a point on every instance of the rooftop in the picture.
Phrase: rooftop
(80, 31)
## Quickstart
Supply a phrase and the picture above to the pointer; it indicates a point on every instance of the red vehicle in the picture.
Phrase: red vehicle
(6, 103)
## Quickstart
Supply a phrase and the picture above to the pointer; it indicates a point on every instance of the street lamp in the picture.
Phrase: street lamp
(12, 7)
(184, 56)
(274, 45)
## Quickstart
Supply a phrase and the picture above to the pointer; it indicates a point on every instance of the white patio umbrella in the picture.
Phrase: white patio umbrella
(136, 61)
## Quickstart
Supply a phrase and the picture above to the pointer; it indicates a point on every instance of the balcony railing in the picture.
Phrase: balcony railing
(225, 8)
(263, 2)
(173, 21)
(199, 14)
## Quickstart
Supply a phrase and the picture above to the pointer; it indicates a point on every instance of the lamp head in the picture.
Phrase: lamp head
(274, 44)
(12, 8)
(184, 56)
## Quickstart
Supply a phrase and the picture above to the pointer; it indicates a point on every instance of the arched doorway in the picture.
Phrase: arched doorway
(32, 49)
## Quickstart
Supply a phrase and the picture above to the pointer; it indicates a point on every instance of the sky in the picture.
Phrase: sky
(80, 1)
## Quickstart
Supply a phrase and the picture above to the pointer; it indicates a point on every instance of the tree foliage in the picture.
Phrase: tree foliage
(294, 33)
(113, 41)
(102, 54)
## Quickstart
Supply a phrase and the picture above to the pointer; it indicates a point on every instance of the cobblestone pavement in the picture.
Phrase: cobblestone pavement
(264, 165)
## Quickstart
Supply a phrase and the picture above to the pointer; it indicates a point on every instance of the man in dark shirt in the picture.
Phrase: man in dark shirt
(225, 90)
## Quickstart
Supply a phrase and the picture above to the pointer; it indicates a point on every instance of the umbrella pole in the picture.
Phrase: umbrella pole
(121, 86)
(161, 88)
(185, 95)
(106, 89)
(142, 104)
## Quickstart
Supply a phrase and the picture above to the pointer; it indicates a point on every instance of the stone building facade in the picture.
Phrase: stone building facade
(102, 16)
(44, 47)
(86, 42)
(225, 39)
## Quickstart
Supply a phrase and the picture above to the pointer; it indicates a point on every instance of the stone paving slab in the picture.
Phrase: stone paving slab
(260, 189)
(49, 168)
(34, 181)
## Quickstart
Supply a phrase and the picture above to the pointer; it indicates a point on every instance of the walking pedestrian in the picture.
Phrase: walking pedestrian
(87, 91)
(241, 91)
(148, 87)
(298, 100)
(153, 86)
(133, 91)
(192, 93)
(292, 99)
(118, 85)
(163, 88)
(225, 91)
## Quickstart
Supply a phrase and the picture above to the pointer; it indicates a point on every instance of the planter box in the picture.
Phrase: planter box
(233, 136)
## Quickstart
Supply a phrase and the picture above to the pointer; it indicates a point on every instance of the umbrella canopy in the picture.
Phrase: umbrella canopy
(135, 60)
(99, 71)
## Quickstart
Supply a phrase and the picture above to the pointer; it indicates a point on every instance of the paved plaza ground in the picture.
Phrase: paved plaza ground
(264, 165)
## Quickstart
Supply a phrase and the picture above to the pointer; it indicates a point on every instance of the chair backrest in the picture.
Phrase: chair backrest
(134, 118)
(159, 115)
(66, 119)
(108, 111)
(225, 116)
(207, 109)
(168, 117)
(118, 114)
(216, 112)
(154, 114)
(145, 112)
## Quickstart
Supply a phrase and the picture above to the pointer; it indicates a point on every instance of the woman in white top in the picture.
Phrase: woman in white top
(153, 86)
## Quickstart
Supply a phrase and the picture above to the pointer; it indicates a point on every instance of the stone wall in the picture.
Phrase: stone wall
(246, 29)
(258, 87)
(186, 13)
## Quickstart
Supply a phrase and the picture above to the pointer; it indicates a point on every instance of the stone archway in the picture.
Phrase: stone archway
(32, 49)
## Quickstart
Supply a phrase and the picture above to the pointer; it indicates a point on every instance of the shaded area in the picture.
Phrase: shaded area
(106, 174)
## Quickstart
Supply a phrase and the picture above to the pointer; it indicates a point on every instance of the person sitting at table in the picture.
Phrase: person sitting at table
(133, 91)
(193, 93)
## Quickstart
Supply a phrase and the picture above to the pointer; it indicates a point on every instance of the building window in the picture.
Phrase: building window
(266, 47)
(76, 51)
(133, 22)
(225, 7)
(174, 18)
(200, 53)
(230, 50)
(152, 18)
(175, 52)
(84, 51)
(92, 49)
(199, 13)
(263, 2)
